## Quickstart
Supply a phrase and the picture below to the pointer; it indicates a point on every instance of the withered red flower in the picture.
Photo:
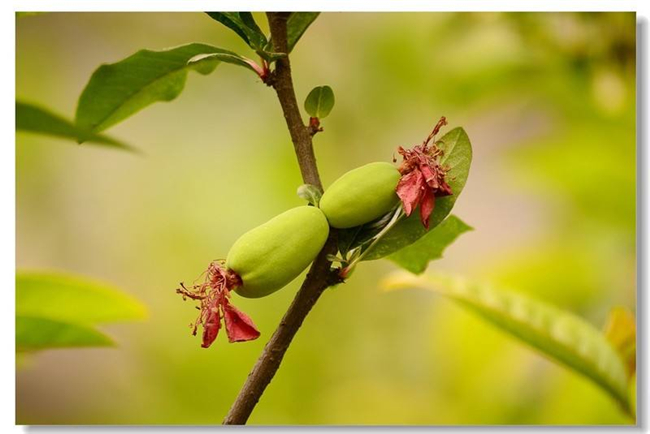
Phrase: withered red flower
(214, 293)
(423, 178)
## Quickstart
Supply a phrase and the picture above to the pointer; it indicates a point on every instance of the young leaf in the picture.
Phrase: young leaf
(72, 299)
(244, 25)
(117, 91)
(319, 102)
(458, 157)
(310, 193)
(416, 257)
(560, 335)
(297, 24)
(39, 334)
(34, 119)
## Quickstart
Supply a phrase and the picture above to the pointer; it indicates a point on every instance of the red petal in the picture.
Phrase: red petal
(410, 189)
(239, 326)
(426, 207)
(211, 328)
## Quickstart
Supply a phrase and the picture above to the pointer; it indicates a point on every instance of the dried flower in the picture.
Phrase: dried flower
(423, 178)
(214, 293)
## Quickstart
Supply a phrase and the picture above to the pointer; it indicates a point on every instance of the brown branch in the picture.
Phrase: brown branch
(320, 275)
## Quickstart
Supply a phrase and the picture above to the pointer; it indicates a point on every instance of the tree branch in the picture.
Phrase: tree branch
(320, 275)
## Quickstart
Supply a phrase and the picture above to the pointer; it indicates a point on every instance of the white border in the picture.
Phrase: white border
(7, 174)
(328, 6)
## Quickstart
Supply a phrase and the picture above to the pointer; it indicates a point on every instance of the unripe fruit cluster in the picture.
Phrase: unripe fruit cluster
(270, 256)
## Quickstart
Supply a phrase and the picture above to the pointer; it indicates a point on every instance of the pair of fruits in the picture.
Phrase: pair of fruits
(270, 256)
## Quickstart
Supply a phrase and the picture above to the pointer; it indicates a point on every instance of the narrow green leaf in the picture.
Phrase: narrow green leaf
(310, 193)
(558, 334)
(297, 24)
(72, 299)
(117, 91)
(319, 102)
(244, 25)
(417, 256)
(458, 157)
(33, 119)
(40, 334)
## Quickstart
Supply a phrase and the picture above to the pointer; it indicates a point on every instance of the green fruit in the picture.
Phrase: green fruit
(270, 256)
(361, 195)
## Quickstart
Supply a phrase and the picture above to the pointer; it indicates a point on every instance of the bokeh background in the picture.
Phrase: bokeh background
(548, 100)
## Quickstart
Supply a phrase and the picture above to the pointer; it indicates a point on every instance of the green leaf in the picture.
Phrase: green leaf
(319, 102)
(297, 24)
(117, 91)
(40, 334)
(232, 58)
(244, 25)
(33, 119)
(458, 157)
(310, 193)
(416, 257)
(559, 335)
(72, 299)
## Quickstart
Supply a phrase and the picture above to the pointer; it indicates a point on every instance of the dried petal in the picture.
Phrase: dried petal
(410, 189)
(239, 326)
(426, 207)
(211, 327)
(213, 294)
(423, 178)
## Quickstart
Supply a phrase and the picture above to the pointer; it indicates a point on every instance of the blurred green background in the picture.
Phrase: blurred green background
(548, 100)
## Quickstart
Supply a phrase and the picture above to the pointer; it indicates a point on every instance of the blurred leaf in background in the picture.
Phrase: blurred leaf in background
(55, 310)
(33, 119)
(558, 334)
